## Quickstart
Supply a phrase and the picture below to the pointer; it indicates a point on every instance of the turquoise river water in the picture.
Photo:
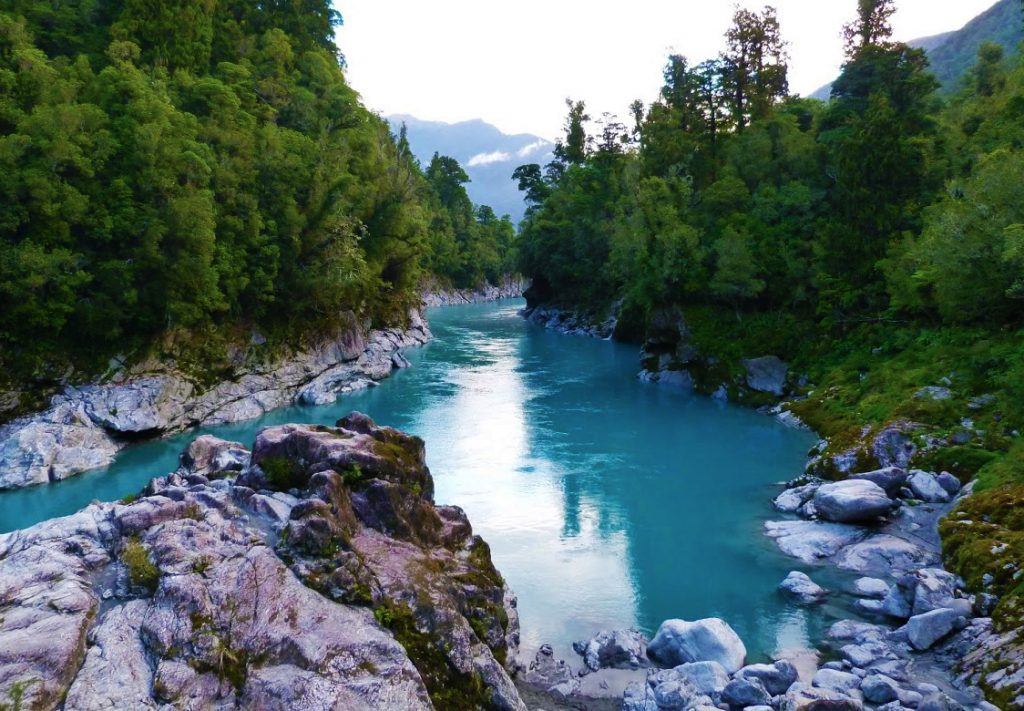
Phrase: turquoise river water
(607, 502)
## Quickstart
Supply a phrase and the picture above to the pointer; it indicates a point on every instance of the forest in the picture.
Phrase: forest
(206, 167)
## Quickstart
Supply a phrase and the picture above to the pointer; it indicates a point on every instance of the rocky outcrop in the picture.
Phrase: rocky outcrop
(509, 288)
(86, 426)
(711, 640)
(354, 591)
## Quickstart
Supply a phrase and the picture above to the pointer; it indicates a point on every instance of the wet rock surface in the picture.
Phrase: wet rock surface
(290, 586)
(86, 426)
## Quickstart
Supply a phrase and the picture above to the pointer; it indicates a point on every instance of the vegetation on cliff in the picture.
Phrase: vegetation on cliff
(199, 164)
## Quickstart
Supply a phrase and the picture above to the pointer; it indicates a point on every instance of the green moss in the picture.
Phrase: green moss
(201, 564)
(449, 688)
(130, 499)
(283, 474)
(353, 475)
(1003, 470)
(963, 461)
(16, 695)
(141, 569)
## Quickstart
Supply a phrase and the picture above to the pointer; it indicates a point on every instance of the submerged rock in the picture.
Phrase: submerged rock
(799, 587)
(812, 541)
(389, 603)
(709, 640)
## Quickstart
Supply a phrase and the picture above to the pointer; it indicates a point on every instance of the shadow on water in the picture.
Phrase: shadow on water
(607, 502)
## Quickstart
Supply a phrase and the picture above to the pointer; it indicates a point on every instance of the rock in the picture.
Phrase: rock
(934, 588)
(980, 402)
(949, 482)
(933, 392)
(217, 619)
(707, 678)
(927, 488)
(776, 678)
(891, 479)
(51, 447)
(709, 640)
(984, 604)
(852, 501)
(879, 689)
(885, 553)
(840, 682)
(804, 698)
(812, 541)
(209, 456)
(923, 631)
(619, 649)
(146, 404)
(766, 375)
(639, 697)
(745, 692)
(551, 674)
(799, 587)
(790, 500)
(893, 447)
(870, 587)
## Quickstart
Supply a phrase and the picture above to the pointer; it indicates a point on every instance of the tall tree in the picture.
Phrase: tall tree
(755, 62)
(872, 25)
(573, 151)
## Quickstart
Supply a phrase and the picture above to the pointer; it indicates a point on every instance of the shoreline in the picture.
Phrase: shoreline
(793, 534)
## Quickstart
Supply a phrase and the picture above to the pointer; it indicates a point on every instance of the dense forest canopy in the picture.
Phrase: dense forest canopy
(190, 164)
(883, 203)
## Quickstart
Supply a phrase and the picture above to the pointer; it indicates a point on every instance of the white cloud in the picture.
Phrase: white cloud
(488, 158)
(532, 148)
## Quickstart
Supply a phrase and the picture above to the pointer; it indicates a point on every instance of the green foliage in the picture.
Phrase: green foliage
(141, 569)
(196, 164)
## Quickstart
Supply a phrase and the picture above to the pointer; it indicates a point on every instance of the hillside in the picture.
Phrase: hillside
(953, 53)
(488, 156)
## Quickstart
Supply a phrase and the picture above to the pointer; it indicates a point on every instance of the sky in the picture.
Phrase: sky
(514, 62)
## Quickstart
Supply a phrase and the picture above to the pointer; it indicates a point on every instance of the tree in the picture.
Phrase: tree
(872, 26)
(755, 65)
(573, 151)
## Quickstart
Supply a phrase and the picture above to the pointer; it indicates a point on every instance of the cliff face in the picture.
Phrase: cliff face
(314, 572)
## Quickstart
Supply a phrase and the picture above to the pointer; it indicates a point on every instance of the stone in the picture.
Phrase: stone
(923, 631)
(891, 479)
(933, 392)
(550, 673)
(870, 587)
(745, 692)
(707, 678)
(766, 375)
(949, 482)
(776, 678)
(618, 649)
(852, 501)
(893, 446)
(813, 541)
(790, 500)
(709, 640)
(801, 589)
(884, 553)
(879, 689)
(927, 488)
(838, 681)
(934, 588)
(209, 456)
(805, 698)
(639, 697)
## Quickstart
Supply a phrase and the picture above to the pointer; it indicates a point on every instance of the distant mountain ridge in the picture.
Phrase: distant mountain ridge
(488, 155)
(952, 54)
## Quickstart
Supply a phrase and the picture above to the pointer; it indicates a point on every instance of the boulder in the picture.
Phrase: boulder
(148, 404)
(708, 678)
(790, 500)
(801, 589)
(812, 541)
(883, 553)
(550, 673)
(620, 649)
(776, 678)
(742, 693)
(927, 488)
(950, 483)
(893, 445)
(209, 456)
(838, 681)
(852, 501)
(891, 479)
(638, 696)
(934, 589)
(923, 631)
(879, 689)
(709, 640)
(767, 375)
(806, 698)
(870, 587)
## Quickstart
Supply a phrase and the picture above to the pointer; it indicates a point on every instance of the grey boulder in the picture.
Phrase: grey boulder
(801, 589)
(852, 501)
(924, 631)
(709, 640)
(766, 375)
(892, 479)
(776, 678)
(927, 488)
(745, 692)
(613, 649)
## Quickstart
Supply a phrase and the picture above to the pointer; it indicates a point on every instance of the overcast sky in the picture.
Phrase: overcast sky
(513, 62)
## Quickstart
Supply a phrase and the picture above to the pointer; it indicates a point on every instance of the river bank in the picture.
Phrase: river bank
(917, 621)
(86, 425)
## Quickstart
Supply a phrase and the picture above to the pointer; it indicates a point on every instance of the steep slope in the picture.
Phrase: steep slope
(488, 156)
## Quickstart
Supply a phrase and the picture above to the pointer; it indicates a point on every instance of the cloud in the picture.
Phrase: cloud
(488, 158)
(532, 148)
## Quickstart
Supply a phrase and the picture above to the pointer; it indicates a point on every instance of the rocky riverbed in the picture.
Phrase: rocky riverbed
(509, 288)
(313, 572)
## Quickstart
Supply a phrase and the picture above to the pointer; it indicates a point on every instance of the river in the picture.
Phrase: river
(607, 502)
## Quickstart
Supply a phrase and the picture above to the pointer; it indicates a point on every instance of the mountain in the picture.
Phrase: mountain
(952, 54)
(488, 156)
